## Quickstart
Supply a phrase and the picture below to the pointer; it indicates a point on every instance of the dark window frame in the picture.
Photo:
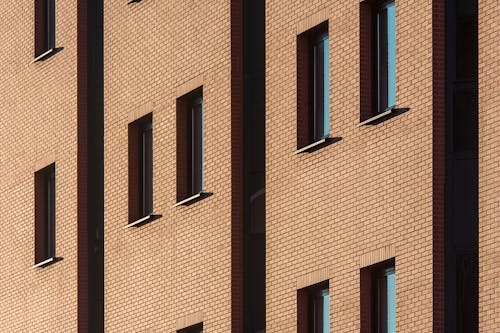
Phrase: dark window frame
(313, 88)
(378, 56)
(310, 309)
(374, 299)
(45, 214)
(190, 145)
(45, 26)
(141, 168)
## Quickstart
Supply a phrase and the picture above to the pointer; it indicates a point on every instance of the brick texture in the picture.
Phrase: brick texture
(376, 193)
(181, 263)
(38, 108)
(371, 190)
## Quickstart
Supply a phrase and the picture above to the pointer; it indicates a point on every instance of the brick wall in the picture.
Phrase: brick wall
(180, 264)
(37, 127)
(370, 190)
(489, 162)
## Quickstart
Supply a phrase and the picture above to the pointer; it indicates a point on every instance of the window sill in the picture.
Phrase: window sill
(375, 118)
(192, 199)
(143, 220)
(46, 262)
(46, 54)
(317, 145)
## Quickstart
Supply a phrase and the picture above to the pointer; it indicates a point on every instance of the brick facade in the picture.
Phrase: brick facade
(375, 194)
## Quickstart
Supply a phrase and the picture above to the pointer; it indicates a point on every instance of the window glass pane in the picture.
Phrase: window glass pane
(391, 302)
(321, 121)
(50, 24)
(147, 167)
(197, 146)
(391, 55)
(319, 89)
(382, 59)
(326, 88)
(326, 311)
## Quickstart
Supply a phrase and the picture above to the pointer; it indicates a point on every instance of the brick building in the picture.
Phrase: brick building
(249, 166)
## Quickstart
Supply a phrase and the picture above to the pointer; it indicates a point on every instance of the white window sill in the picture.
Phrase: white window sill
(45, 262)
(190, 199)
(142, 220)
(378, 116)
(312, 145)
(44, 55)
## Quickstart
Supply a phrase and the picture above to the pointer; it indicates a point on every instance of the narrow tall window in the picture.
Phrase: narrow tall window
(197, 145)
(321, 87)
(377, 57)
(45, 26)
(378, 298)
(140, 168)
(313, 86)
(314, 309)
(190, 173)
(45, 209)
(386, 56)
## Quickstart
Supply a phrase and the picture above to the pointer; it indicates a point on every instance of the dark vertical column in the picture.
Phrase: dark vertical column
(237, 174)
(254, 238)
(90, 195)
(461, 166)
(438, 163)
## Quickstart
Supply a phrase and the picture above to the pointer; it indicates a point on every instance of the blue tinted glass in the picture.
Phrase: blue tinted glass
(326, 310)
(391, 55)
(326, 85)
(391, 302)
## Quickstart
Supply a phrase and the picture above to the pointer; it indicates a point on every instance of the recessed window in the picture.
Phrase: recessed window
(45, 218)
(140, 168)
(378, 298)
(314, 309)
(313, 85)
(198, 328)
(378, 57)
(190, 178)
(45, 26)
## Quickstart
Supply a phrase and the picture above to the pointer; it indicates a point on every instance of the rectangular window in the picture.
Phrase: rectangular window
(45, 209)
(198, 328)
(314, 309)
(190, 145)
(313, 83)
(377, 57)
(378, 298)
(45, 26)
(386, 56)
(140, 168)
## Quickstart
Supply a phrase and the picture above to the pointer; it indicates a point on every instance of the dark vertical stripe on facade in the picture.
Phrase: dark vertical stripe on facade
(90, 166)
(237, 164)
(438, 163)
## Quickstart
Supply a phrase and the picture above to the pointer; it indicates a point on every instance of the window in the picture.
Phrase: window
(378, 298)
(198, 328)
(45, 26)
(45, 219)
(140, 168)
(378, 57)
(313, 83)
(314, 309)
(190, 145)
